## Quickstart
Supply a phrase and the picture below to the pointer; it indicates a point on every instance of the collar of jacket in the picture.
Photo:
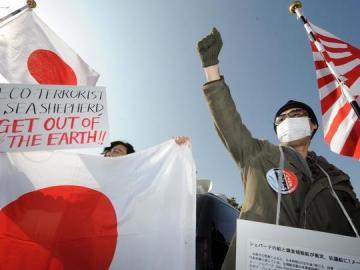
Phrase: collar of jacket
(295, 159)
(336, 175)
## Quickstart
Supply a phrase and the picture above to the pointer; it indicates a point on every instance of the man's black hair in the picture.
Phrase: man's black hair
(297, 104)
(129, 148)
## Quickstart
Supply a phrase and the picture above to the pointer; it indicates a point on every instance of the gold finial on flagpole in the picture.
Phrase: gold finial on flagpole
(294, 5)
(31, 3)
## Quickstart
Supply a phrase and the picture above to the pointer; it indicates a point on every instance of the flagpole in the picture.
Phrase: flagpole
(30, 4)
(295, 8)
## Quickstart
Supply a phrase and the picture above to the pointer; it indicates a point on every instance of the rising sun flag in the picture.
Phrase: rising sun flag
(337, 65)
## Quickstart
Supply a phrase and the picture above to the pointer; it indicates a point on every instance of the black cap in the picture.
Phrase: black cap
(297, 104)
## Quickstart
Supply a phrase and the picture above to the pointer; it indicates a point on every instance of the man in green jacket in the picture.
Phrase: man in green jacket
(284, 184)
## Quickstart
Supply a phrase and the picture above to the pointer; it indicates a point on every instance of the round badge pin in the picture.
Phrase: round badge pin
(288, 183)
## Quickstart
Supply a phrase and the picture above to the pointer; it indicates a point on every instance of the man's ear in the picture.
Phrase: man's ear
(313, 127)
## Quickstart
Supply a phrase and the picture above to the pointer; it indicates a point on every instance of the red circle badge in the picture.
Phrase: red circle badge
(288, 183)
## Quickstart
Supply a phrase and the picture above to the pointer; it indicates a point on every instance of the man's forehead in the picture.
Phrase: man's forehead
(119, 146)
(292, 109)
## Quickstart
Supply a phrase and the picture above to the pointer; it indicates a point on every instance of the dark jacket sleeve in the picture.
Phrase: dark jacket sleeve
(233, 133)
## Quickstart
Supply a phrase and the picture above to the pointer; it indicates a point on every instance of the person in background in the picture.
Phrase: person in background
(120, 148)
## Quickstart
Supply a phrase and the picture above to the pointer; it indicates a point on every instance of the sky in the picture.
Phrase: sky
(145, 52)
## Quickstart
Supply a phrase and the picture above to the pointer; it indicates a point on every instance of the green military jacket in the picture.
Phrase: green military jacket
(306, 201)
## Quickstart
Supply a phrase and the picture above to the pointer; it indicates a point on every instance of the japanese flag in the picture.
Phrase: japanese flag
(30, 52)
(64, 211)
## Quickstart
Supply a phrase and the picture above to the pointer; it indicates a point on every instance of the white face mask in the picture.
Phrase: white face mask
(292, 129)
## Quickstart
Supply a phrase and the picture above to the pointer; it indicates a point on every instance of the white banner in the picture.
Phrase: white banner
(48, 117)
(262, 246)
(67, 211)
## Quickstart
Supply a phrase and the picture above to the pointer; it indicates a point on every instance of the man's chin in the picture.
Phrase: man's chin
(300, 142)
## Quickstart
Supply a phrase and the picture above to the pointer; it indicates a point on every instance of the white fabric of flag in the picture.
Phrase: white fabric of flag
(70, 211)
(341, 124)
(30, 52)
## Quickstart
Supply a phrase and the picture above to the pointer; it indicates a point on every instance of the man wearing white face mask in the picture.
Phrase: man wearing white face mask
(295, 124)
(284, 184)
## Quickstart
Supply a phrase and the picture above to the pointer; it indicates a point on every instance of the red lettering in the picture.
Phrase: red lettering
(50, 126)
(17, 141)
(31, 123)
(3, 123)
(36, 140)
(72, 119)
(52, 137)
(91, 137)
(86, 122)
(73, 137)
(60, 123)
(94, 120)
(12, 140)
(17, 125)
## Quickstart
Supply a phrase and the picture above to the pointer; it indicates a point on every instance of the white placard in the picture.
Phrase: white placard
(262, 246)
(48, 117)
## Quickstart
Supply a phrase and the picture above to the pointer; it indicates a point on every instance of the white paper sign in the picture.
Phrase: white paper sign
(262, 246)
(48, 117)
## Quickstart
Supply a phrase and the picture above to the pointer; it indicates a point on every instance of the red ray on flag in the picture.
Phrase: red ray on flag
(341, 124)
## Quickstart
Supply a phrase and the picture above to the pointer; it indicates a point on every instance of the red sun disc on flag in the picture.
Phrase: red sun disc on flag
(47, 67)
(58, 228)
